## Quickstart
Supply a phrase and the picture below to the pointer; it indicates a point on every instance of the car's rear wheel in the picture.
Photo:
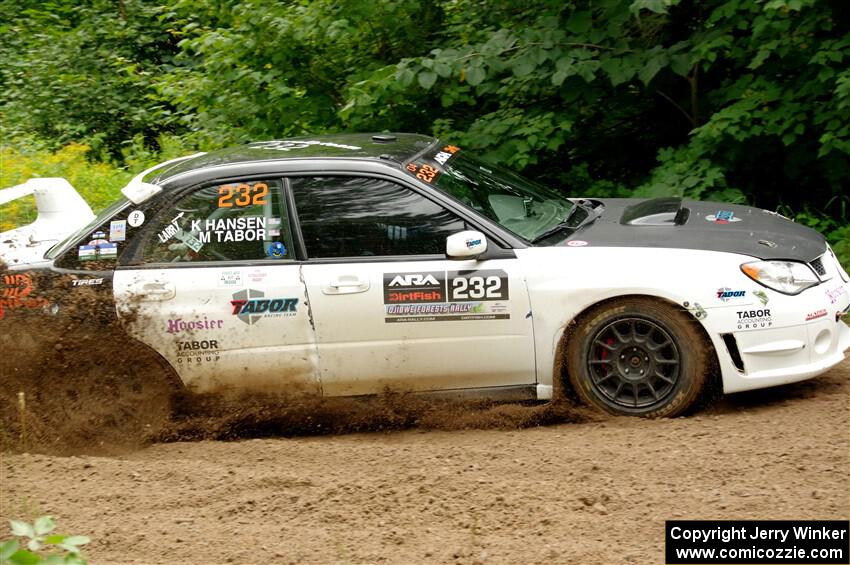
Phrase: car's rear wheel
(638, 356)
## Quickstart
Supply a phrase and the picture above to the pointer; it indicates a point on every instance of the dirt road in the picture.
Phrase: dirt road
(591, 492)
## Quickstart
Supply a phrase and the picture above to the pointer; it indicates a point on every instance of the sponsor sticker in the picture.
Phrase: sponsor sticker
(754, 319)
(835, 294)
(472, 243)
(815, 315)
(178, 325)
(98, 249)
(438, 296)
(197, 351)
(86, 282)
(117, 230)
(230, 278)
(257, 275)
(726, 294)
(722, 217)
(136, 218)
(576, 243)
(276, 250)
(762, 296)
(414, 288)
(16, 293)
(251, 305)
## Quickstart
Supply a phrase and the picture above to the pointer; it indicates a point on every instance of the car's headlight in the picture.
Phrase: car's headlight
(787, 277)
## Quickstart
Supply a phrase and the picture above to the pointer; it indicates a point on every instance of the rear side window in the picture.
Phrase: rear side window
(362, 217)
(234, 221)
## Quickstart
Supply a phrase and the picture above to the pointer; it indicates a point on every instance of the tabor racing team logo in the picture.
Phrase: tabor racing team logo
(250, 306)
(726, 294)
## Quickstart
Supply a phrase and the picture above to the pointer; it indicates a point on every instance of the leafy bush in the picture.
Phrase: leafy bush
(99, 183)
(34, 544)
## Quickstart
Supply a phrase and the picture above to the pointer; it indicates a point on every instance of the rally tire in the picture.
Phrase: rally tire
(638, 357)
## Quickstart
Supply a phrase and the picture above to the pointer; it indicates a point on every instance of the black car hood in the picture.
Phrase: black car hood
(691, 224)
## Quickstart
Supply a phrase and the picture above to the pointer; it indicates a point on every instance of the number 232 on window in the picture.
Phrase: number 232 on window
(242, 194)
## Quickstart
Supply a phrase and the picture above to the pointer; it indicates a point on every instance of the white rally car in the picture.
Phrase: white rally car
(349, 264)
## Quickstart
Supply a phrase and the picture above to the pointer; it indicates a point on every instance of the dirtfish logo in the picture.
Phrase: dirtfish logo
(250, 305)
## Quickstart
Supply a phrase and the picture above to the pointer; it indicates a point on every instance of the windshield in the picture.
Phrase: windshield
(523, 207)
(104, 215)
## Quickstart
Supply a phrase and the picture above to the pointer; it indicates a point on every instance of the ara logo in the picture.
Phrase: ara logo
(414, 279)
(250, 305)
(414, 287)
(726, 294)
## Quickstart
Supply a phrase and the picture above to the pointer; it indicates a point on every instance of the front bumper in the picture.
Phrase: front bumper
(784, 340)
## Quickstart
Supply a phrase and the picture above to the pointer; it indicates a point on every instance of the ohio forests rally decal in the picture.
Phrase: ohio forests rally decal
(443, 296)
(250, 306)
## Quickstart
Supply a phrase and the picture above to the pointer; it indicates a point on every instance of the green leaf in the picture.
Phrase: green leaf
(55, 539)
(580, 22)
(7, 549)
(475, 76)
(427, 79)
(21, 529)
(524, 67)
(443, 69)
(44, 524)
(34, 544)
(681, 64)
(657, 6)
(404, 76)
(618, 70)
(24, 557)
(77, 540)
(655, 64)
(559, 77)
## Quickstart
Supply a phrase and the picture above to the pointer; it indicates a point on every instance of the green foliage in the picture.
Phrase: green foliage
(732, 100)
(35, 544)
(83, 71)
(99, 183)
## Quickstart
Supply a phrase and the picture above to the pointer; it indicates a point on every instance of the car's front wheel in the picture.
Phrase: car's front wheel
(638, 356)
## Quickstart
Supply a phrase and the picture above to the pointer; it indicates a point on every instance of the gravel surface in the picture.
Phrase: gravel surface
(596, 491)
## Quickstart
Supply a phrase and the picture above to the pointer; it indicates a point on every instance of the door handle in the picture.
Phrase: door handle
(155, 291)
(346, 284)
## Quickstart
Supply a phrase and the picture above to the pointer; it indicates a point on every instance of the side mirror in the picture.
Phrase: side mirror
(465, 245)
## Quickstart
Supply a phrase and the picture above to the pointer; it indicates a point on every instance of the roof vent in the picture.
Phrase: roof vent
(384, 138)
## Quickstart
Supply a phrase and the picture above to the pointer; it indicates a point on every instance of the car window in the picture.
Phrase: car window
(361, 217)
(233, 221)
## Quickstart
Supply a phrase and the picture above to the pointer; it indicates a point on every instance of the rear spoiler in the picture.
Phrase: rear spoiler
(137, 190)
(61, 209)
